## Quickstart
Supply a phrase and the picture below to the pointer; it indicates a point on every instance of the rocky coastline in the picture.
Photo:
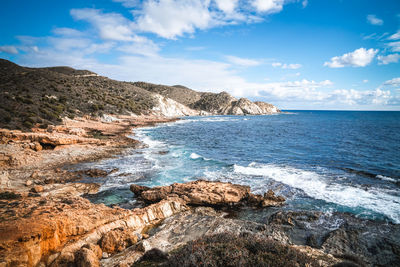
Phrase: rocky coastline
(46, 221)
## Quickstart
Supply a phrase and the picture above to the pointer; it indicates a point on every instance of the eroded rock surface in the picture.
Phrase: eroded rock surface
(35, 229)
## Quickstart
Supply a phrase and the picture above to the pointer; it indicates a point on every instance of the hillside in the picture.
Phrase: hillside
(179, 93)
(45, 95)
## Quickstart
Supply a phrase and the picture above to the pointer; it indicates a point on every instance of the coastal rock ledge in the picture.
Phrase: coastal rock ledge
(208, 193)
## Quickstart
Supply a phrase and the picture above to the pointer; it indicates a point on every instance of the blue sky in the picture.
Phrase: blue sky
(296, 54)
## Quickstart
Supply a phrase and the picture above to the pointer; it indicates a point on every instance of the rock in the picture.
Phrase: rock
(37, 147)
(117, 240)
(105, 255)
(37, 189)
(145, 236)
(64, 260)
(207, 193)
(267, 108)
(144, 246)
(4, 179)
(35, 175)
(95, 248)
(96, 173)
(28, 183)
(52, 258)
(86, 258)
(138, 189)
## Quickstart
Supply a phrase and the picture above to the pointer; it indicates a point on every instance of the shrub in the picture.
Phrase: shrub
(246, 250)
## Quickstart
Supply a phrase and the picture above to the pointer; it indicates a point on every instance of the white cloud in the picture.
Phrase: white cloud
(395, 82)
(268, 6)
(395, 36)
(128, 3)
(172, 18)
(304, 3)
(365, 81)
(395, 46)
(9, 49)
(140, 46)
(67, 32)
(392, 58)
(358, 58)
(227, 6)
(111, 26)
(374, 20)
(245, 62)
(286, 66)
(354, 97)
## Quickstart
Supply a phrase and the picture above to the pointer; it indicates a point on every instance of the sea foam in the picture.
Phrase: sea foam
(320, 187)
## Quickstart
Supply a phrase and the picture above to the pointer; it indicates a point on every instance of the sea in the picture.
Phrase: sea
(328, 161)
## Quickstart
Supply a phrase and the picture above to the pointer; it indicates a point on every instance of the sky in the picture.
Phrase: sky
(295, 54)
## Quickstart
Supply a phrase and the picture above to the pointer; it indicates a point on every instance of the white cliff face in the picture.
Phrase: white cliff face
(170, 108)
(244, 106)
(267, 108)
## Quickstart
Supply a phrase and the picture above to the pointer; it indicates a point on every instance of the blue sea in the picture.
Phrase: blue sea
(330, 161)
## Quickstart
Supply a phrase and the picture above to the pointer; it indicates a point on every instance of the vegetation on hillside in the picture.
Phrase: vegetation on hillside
(30, 96)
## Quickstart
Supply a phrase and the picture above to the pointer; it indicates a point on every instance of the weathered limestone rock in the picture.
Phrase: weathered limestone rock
(117, 240)
(208, 193)
(40, 227)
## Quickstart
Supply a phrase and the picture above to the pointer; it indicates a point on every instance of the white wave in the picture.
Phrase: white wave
(386, 178)
(319, 187)
(141, 136)
(197, 156)
(218, 119)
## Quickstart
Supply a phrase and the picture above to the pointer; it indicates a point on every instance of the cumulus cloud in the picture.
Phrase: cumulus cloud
(9, 49)
(395, 82)
(392, 58)
(227, 6)
(110, 26)
(268, 6)
(172, 18)
(245, 62)
(374, 20)
(286, 66)
(358, 58)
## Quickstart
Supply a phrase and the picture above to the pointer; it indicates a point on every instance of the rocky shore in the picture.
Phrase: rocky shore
(46, 221)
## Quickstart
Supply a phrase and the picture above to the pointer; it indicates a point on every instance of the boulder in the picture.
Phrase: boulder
(208, 193)
(86, 258)
(37, 189)
(117, 240)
